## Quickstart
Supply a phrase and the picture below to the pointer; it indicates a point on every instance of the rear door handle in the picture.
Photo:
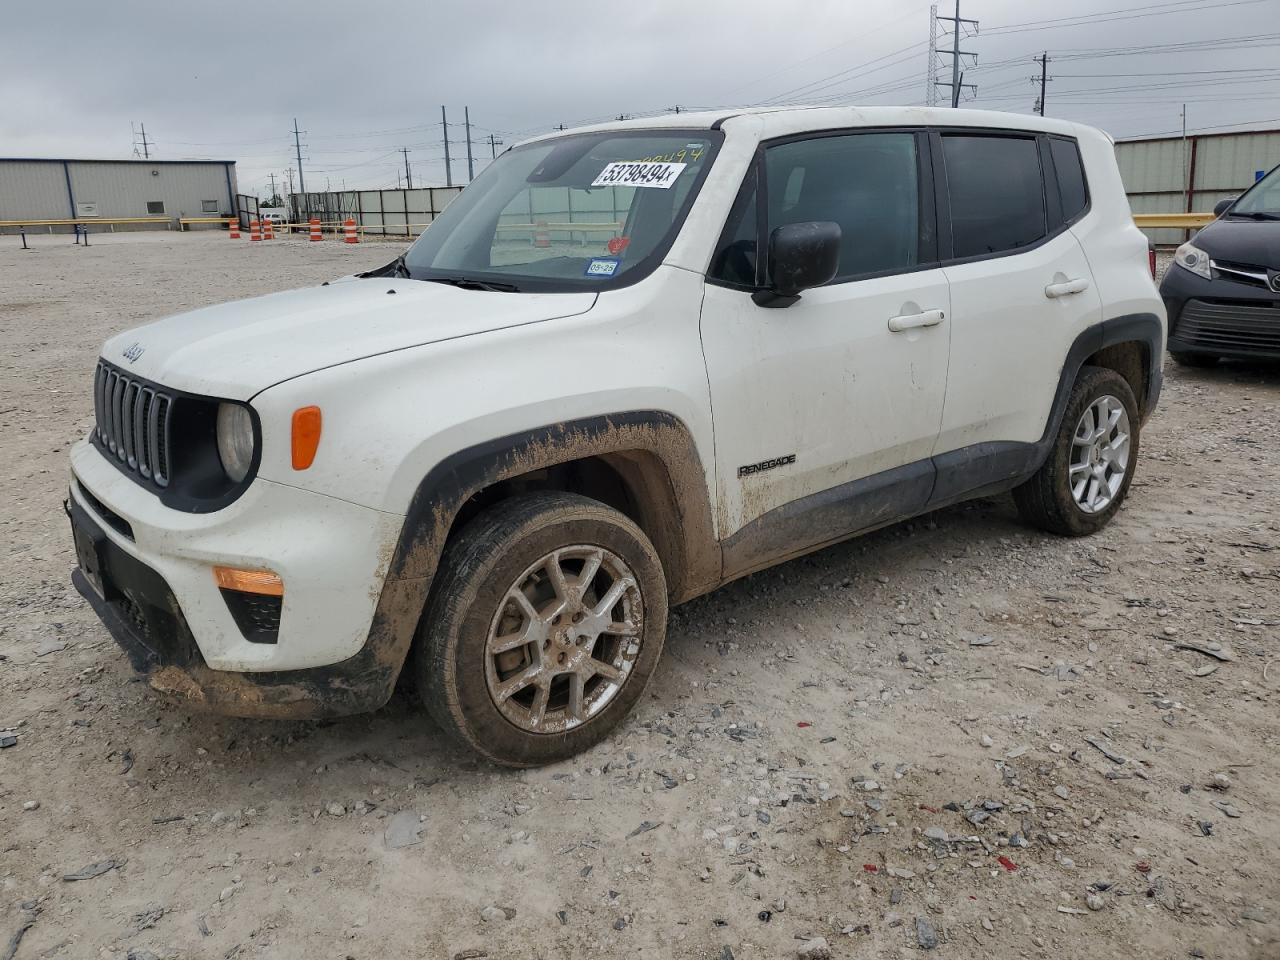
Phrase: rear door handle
(911, 321)
(1066, 288)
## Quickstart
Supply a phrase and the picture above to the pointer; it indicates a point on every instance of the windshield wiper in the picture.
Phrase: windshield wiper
(470, 283)
(396, 268)
(1259, 215)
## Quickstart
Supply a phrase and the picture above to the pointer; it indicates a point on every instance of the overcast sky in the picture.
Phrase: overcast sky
(226, 79)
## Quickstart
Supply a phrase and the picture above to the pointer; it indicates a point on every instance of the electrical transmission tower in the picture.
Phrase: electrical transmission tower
(931, 65)
(959, 27)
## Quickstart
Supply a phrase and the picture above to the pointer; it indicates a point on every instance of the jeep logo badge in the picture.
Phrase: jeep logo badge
(133, 351)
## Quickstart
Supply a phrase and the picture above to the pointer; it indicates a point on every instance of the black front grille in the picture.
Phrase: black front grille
(1223, 325)
(105, 513)
(133, 423)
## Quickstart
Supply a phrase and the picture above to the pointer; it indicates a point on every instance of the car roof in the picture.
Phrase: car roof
(781, 121)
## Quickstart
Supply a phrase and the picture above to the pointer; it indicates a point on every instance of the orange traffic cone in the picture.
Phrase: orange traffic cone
(267, 232)
(349, 231)
(315, 229)
(255, 230)
(234, 231)
(541, 237)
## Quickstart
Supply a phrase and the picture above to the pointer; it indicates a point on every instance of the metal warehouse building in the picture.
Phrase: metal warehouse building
(1191, 174)
(152, 193)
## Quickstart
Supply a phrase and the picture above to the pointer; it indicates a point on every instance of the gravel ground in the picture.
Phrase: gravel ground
(955, 735)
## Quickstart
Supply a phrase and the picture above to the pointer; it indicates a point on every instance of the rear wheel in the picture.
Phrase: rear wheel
(1195, 359)
(1081, 485)
(546, 621)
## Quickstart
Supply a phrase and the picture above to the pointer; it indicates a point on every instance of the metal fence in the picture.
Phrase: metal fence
(247, 209)
(402, 213)
(1191, 174)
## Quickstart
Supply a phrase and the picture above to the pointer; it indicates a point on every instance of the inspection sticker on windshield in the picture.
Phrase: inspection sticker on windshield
(630, 174)
(601, 267)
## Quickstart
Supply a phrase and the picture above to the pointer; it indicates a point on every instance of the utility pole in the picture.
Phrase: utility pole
(471, 169)
(408, 174)
(140, 140)
(493, 146)
(676, 109)
(560, 126)
(1043, 60)
(955, 61)
(957, 77)
(297, 145)
(273, 185)
(448, 170)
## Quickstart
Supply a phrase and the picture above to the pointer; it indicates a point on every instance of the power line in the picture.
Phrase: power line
(1090, 19)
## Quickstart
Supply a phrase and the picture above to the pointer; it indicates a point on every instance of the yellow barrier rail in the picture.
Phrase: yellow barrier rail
(1177, 221)
(183, 221)
(84, 221)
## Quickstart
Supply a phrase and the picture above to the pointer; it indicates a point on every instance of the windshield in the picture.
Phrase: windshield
(1262, 198)
(587, 211)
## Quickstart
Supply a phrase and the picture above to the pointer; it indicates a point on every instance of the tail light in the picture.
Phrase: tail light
(1151, 258)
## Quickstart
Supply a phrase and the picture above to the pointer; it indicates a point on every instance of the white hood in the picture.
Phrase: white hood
(235, 350)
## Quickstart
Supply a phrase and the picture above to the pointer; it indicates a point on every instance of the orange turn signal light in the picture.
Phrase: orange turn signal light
(262, 582)
(305, 437)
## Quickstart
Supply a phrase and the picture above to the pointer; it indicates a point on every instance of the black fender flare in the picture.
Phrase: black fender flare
(680, 518)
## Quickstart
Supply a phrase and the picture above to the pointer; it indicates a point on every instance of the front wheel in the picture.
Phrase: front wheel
(1082, 483)
(546, 621)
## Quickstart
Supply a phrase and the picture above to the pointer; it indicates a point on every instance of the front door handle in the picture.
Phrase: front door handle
(1066, 288)
(911, 321)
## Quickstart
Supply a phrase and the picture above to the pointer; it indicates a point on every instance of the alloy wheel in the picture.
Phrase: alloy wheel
(564, 639)
(1099, 454)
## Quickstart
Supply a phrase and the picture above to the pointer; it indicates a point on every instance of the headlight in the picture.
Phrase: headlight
(235, 440)
(1190, 257)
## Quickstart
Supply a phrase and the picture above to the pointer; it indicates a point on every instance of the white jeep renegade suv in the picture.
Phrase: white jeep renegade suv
(628, 364)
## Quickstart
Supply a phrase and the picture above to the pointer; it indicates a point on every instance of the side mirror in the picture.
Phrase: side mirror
(801, 256)
(1222, 206)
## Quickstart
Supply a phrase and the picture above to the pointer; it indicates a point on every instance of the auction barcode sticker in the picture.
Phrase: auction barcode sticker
(630, 174)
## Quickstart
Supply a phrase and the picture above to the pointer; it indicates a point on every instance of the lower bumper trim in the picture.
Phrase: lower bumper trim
(159, 645)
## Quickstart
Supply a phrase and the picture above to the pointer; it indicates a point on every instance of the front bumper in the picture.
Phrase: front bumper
(1220, 317)
(334, 652)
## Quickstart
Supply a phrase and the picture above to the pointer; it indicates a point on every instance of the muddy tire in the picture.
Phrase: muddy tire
(545, 623)
(1082, 484)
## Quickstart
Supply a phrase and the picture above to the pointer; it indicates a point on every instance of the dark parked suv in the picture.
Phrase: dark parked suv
(1223, 292)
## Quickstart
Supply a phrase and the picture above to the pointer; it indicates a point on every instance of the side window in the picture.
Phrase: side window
(996, 190)
(867, 183)
(209, 206)
(155, 206)
(1071, 184)
(735, 258)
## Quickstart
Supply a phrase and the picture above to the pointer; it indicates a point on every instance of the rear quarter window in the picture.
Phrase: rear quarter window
(1072, 186)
